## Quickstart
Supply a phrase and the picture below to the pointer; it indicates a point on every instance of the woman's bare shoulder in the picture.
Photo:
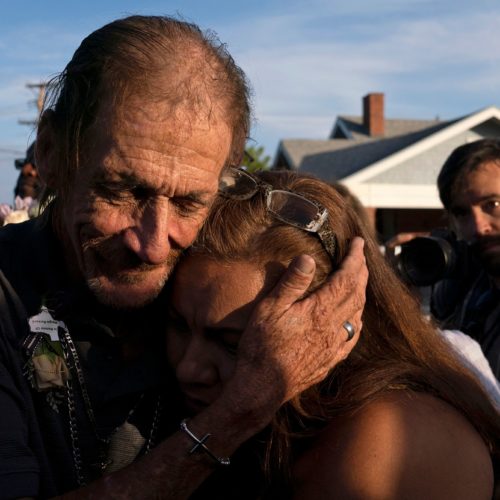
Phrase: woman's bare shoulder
(402, 445)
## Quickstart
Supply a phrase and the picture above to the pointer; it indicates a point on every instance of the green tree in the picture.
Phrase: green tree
(256, 159)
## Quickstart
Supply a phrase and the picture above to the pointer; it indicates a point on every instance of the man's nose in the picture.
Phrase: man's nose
(196, 367)
(148, 236)
(481, 222)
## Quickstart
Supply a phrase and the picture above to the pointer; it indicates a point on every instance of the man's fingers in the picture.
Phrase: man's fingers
(355, 258)
(295, 282)
(300, 341)
(348, 283)
(352, 274)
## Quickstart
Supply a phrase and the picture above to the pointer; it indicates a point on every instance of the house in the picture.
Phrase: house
(391, 165)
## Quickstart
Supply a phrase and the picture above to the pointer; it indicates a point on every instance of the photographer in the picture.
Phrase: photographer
(464, 271)
(28, 183)
(469, 187)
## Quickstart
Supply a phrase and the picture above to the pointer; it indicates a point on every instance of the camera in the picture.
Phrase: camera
(19, 163)
(425, 260)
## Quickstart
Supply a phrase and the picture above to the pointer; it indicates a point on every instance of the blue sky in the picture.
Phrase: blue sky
(307, 60)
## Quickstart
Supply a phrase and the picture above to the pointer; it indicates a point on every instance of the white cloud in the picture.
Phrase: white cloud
(446, 64)
(309, 61)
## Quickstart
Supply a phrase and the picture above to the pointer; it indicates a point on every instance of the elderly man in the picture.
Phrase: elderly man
(144, 118)
(469, 187)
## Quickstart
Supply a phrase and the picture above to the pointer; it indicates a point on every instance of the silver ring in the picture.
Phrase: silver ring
(349, 329)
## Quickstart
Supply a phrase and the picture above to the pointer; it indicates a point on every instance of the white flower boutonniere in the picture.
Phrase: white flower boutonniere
(47, 367)
(50, 371)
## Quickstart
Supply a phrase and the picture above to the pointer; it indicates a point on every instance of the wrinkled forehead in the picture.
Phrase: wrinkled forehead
(156, 124)
(192, 108)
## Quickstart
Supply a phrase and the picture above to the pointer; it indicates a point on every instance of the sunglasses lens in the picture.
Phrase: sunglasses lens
(291, 208)
(237, 184)
(294, 209)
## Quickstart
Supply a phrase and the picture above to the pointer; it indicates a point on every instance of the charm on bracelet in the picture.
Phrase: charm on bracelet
(200, 445)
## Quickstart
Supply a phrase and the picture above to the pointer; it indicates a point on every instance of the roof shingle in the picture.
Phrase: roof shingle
(334, 159)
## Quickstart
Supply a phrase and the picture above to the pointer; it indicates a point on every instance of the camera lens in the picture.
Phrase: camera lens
(426, 260)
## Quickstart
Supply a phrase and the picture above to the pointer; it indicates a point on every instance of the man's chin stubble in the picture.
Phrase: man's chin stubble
(130, 278)
(106, 296)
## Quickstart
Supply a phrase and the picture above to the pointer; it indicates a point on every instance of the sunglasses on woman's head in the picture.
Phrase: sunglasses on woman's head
(291, 208)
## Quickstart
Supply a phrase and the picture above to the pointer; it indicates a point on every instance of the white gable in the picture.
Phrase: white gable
(464, 126)
(407, 179)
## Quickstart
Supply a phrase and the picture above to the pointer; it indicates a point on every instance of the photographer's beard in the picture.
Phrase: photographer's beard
(487, 250)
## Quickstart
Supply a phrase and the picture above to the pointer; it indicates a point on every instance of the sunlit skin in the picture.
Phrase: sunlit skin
(411, 435)
(475, 214)
(143, 189)
(210, 308)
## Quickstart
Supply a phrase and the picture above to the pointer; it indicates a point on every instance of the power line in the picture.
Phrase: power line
(40, 89)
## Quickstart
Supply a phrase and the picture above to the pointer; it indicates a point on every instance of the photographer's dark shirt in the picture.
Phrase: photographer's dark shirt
(475, 310)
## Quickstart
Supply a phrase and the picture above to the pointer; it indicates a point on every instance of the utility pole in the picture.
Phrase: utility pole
(40, 89)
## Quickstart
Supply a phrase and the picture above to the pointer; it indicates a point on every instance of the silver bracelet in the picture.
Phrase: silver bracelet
(200, 443)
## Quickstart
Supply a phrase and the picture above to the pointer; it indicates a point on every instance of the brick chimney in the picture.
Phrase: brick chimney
(373, 114)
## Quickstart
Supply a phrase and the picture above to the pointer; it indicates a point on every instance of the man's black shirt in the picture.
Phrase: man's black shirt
(473, 308)
(36, 450)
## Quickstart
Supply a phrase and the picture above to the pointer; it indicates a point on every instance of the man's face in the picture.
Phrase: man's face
(475, 214)
(143, 189)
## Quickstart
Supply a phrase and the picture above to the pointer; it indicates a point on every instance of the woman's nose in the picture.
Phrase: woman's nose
(196, 365)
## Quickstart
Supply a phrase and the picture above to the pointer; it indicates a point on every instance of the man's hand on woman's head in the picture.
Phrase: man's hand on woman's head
(292, 343)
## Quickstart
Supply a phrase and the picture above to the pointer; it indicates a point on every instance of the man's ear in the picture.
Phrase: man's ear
(46, 157)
